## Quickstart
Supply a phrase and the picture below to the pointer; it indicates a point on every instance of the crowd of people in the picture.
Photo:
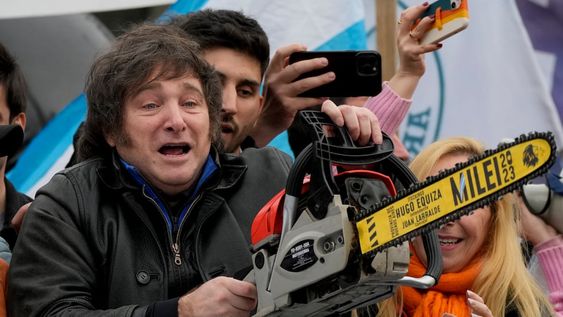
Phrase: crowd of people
(153, 216)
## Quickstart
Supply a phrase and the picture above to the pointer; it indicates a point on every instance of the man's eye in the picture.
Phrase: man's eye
(190, 104)
(245, 92)
(150, 106)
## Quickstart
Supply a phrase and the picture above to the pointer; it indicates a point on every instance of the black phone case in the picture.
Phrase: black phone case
(358, 73)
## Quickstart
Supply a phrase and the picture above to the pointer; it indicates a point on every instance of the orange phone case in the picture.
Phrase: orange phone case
(450, 17)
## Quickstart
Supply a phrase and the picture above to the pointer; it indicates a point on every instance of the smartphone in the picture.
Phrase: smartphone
(358, 73)
(450, 17)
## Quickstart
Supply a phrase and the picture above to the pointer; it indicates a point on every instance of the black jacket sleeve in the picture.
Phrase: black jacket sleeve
(168, 308)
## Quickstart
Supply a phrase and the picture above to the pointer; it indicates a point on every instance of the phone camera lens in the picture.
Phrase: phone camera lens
(367, 68)
(367, 65)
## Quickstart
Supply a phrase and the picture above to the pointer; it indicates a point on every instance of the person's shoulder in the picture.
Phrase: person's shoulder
(268, 153)
(267, 164)
(265, 149)
(83, 172)
(89, 163)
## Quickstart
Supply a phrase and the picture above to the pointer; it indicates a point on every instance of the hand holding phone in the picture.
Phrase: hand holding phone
(450, 17)
(358, 73)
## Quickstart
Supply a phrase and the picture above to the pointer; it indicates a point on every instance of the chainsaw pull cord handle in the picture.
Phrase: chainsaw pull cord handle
(430, 239)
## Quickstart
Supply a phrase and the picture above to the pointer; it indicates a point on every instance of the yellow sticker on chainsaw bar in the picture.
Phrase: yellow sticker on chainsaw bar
(449, 194)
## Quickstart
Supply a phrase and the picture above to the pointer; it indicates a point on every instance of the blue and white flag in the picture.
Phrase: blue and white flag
(485, 82)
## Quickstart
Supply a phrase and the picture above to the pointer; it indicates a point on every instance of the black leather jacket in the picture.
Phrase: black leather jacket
(93, 244)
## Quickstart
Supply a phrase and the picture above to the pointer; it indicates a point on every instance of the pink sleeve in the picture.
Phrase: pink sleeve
(389, 108)
(550, 256)
(556, 299)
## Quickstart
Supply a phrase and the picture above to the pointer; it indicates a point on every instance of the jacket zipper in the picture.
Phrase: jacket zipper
(175, 244)
(177, 257)
(169, 230)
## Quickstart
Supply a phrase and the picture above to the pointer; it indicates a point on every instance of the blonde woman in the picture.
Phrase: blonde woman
(481, 255)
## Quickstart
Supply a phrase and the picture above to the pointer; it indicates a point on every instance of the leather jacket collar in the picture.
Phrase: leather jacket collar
(231, 170)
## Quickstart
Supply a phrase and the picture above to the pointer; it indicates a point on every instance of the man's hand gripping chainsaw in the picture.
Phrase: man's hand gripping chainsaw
(338, 241)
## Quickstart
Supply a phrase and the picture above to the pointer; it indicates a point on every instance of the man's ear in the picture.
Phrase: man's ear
(260, 108)
(261, 104)
(20, 120)
(110, 139)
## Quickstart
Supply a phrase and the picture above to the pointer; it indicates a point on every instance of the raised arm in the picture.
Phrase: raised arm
(281, 101)
(392, 104)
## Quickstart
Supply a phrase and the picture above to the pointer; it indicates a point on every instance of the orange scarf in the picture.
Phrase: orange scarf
(448, 296)
(3, 274)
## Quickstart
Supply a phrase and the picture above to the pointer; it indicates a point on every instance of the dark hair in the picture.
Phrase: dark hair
(130, 63)
(11, 78)
(228, 29)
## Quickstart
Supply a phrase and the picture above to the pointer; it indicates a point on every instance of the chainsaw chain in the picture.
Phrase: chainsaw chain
(364, 213)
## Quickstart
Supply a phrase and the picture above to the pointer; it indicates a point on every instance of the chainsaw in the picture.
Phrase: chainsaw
(336, 238)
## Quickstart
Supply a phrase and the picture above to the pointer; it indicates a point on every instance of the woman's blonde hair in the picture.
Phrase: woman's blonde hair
(503, 280)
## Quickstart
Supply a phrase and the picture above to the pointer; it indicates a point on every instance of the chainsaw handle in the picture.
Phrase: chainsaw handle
(430, 239)
(338, 147)
(433, 267)
(431, 244)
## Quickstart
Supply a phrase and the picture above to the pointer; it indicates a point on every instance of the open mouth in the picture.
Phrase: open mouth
(227, 128)
(174, 149)
(449, 241)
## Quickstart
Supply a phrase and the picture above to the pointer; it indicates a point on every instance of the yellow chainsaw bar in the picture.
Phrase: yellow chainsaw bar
(455, 192)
